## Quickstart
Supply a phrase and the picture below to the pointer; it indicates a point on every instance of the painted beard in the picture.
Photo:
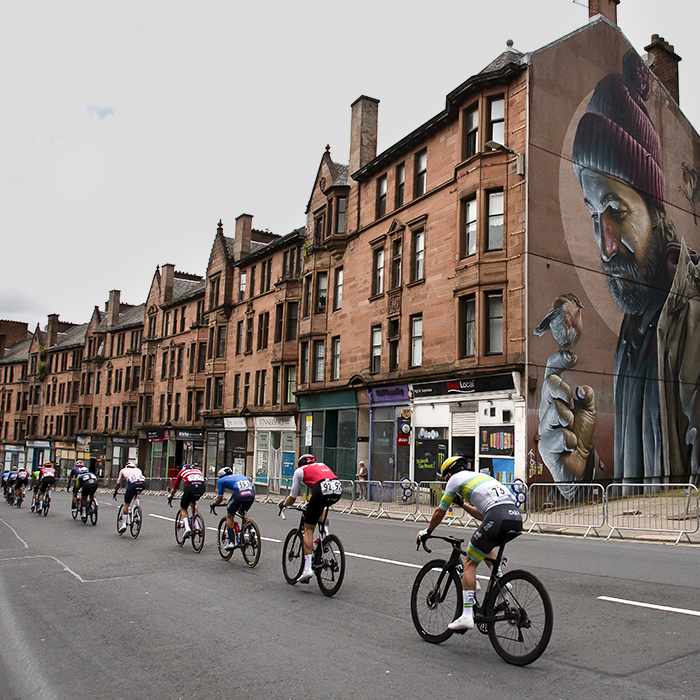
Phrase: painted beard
(629, 280)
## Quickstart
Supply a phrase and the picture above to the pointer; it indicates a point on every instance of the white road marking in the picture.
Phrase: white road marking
(213, 529)
(26, 546)
(65, 567)
(652, 606)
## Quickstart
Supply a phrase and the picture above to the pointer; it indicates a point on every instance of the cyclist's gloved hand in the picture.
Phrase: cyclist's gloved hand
(280, 505)
(170, 500)
(114, 496)
(422, 536)
(212, 508)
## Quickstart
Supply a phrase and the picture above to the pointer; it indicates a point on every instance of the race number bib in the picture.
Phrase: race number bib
(245, 485)
(331, 487)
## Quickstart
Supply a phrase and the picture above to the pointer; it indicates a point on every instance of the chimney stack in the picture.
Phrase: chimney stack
(607, 8)
(167, 280)
(52, 330)
(363, 132)
(665, 65)
(113, 308)
(241, 243)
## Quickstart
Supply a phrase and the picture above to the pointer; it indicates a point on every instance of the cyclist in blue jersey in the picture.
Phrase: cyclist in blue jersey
(485, 499)
(75, 473)
(242, 497)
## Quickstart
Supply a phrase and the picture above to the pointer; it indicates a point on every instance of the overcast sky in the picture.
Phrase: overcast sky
(128, 129)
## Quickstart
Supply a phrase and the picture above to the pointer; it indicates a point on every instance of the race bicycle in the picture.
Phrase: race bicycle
(134, 517)
(327, 559)
(247, 536)
(515, 611)
(197, 529)
(91, 508)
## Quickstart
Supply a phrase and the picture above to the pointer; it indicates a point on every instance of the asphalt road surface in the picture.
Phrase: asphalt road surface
(85, 613)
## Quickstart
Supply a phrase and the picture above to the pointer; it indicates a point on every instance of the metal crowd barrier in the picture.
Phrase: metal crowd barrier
(428, 497)
(653, 508)
(399, 498)
(367, 500)
(584, 508)
(344, 505)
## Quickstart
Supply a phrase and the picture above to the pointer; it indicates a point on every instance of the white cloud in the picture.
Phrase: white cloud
(99, 112)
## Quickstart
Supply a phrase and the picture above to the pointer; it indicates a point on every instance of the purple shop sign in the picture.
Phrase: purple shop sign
(389, 394)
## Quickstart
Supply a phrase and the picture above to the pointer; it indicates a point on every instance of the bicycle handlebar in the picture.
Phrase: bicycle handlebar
(454, 541)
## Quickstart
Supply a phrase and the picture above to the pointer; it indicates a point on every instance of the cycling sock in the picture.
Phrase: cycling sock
(231, 534)
(307, 562)
(186, 523)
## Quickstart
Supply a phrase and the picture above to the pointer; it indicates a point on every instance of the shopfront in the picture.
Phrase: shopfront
(14, 457)
(390, 428)
(275, 447)
(189, 447)
(481, 418)
(156, 460)
(38, 452)
(226, 445)
(328, 430)
(65, 456)
(124, 450)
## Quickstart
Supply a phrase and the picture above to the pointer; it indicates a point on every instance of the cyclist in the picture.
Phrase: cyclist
(193, 486)
(86, 481)
(47, 478)
(135, 483)
(77, 470)
(242, 497)
(21, 482)
(5, 480)
(485, 499)
(34, 485)
(325, 491)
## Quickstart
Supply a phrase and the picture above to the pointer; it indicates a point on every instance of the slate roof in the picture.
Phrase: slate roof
(18, 352)
(73, 337)
(183, 290)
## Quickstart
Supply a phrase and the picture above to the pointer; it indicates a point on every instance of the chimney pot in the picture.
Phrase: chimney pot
(665, 65)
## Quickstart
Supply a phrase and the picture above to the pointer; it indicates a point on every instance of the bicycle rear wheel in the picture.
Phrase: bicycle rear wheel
(292, 556)
(527, 621)
(136, 521)
(332, 571)
(179, 529)
(47, 505)
(222, 540)
(436, 600)
(74, 510)
(250, 543)
(197, 533)
(93, 511)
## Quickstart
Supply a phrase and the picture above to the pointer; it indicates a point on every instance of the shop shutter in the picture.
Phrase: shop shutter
(464, 424)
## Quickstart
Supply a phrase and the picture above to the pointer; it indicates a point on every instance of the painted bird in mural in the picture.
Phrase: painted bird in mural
(564, 320)
(690, 188)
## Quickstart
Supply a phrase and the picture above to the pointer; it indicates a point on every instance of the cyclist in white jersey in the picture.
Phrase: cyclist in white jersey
(485, 499)
(135, 483)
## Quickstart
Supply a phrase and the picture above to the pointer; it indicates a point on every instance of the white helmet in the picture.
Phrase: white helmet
(226, 471)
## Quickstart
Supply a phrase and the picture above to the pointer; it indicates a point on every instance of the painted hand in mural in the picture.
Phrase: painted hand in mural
(567, 421)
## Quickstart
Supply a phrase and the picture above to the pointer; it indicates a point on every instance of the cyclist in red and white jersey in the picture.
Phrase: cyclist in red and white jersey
(47, 478)
(193, 486)
(135, 483)
(326, 490)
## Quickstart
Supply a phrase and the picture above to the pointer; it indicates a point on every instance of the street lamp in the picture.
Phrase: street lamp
(519, 157)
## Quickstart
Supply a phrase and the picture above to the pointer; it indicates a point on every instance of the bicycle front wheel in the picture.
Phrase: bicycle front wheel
(136, 520)
(436, 600)
(525, 617)
(332, 570)
(292, 556)
(197, 533)
(222, 540)
(179, 529)
(251, 543)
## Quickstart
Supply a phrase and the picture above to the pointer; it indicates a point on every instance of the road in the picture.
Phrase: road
(89, 614)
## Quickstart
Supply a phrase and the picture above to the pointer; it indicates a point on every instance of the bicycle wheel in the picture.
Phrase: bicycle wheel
(119, 518)
(292, 556)
(524, 605)
(74, 510)
(179, 530)
(47, 505)
(222, 540)
(197, 533)
(251, 543)
(436, 600)
(136, 520)
(93, 511)
(84, 516)
(331, 569)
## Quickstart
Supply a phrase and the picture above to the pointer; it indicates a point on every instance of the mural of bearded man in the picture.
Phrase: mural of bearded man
(653, 278)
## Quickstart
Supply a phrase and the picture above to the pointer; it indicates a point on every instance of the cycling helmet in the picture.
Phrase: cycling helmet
(306, 459)
(226, 471)
(48, 464)
(79, 463)
(129, 465)
(452, 465)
